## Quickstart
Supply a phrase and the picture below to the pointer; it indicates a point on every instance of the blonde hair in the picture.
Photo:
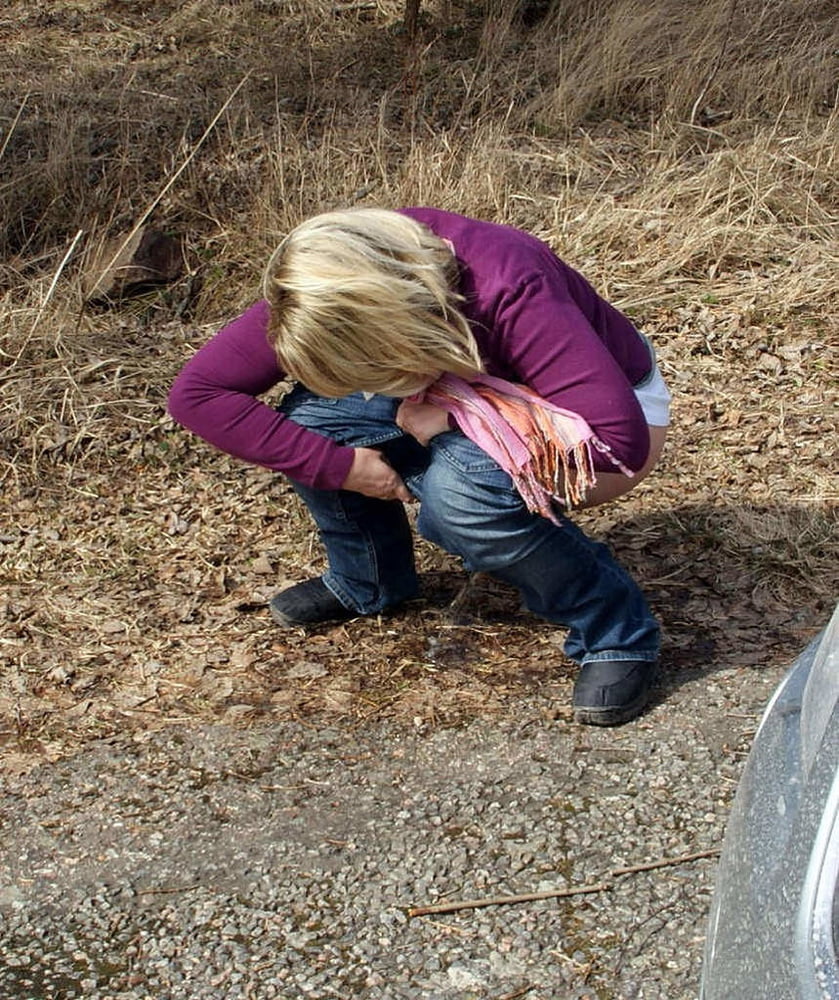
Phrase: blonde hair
(364, 300)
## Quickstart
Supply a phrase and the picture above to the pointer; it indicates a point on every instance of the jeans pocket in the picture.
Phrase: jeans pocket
(463, 454)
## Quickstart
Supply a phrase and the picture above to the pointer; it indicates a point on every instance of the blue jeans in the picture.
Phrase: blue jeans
(469, 507)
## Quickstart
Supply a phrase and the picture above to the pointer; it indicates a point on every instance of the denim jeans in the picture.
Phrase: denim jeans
(469, 507)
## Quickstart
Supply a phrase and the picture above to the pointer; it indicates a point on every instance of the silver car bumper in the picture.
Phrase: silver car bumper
(772, 930)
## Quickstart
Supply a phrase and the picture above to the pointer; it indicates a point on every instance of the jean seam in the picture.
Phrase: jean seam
(336, 592)
(369, 442)
(372, 561)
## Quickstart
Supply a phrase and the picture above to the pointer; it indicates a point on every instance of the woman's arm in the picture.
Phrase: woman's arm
(215, 396)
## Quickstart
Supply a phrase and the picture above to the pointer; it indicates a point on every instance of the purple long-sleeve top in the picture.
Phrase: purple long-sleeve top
(535, 319)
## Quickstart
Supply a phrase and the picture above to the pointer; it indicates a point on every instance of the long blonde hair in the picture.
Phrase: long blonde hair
(364, 300)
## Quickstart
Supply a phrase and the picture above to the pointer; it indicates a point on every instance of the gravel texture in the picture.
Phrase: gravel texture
(282, 862)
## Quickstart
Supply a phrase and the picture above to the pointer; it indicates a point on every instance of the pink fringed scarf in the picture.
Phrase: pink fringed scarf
(545, 449)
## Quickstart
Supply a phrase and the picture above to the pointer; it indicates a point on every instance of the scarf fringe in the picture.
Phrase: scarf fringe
(545, 449)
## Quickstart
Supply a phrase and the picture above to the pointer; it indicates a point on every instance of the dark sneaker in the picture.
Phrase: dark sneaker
(610, 692)
(308, 603)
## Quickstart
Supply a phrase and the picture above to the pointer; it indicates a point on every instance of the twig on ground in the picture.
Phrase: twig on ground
(659, 923)
(530, 897)
(715, 68)
(50, 291)
(167, 890)
(13, 126)
(517, 993)
(524, 897)
(649, 866)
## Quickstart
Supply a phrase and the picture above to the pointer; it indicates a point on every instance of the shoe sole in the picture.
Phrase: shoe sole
(285, 621)
(606, 716)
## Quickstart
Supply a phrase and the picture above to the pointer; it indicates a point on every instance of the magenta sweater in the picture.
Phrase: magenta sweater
(535, 319)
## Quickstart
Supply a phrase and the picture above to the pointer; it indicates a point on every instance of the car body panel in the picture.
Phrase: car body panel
(772, 929)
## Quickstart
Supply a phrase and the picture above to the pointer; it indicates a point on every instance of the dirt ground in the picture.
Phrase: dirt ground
(136, 563)
(135, 591)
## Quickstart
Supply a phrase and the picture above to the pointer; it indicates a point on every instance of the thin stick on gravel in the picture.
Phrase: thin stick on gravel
(530, 897)
(649, 866)
(517, 993)
(166, 890)
(524, 897)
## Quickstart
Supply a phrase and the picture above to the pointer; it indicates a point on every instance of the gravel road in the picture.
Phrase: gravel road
(284, 861)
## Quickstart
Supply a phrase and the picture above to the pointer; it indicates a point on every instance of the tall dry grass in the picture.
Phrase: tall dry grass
(718, 61)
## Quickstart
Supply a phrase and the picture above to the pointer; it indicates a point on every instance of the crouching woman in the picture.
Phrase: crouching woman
(463, 365)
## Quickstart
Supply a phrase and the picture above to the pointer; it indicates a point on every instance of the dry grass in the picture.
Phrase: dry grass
(684, 157)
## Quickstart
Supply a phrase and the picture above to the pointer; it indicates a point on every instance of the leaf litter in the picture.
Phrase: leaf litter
(136, 564)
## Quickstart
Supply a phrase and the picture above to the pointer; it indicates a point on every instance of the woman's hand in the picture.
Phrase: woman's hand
(422, 420)
(371, 475)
